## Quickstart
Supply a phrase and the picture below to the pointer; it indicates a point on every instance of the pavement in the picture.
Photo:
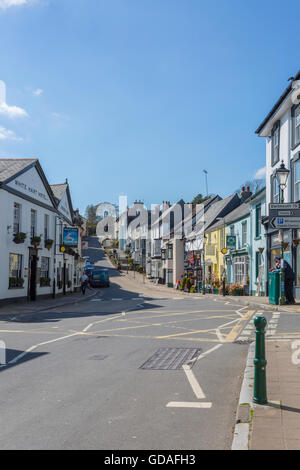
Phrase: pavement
(259, 302)
(276, 425)
(45, 304)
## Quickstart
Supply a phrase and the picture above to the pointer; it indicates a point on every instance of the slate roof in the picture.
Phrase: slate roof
(277, 104)
(59, 190)
(219, 209)
(241, 211)
(12, 166)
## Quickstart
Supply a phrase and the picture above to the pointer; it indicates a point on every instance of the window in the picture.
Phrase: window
(258, 263)
(170, 252)
(258, 221)
(33, 223)
(297, 181)
(275, 143)
(232, 230)
(296, 126)
(244, 233)
(15, 266)
(45, 267)
(46, 227)
(17, 218)
(275, 190)
(241, 268)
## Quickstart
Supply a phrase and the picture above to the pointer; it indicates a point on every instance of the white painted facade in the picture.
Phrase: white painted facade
(30, 185)
(28, 206)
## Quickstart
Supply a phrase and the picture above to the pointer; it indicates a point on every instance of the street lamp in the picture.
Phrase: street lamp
(281, 174)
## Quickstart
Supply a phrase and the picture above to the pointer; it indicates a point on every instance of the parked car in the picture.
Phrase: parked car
(99, 278)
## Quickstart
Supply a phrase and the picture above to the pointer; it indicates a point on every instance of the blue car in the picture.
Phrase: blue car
(99, 278)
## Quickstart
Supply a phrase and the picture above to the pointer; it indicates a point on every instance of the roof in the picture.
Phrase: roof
(10, 167)
(277, 104)
(238, 213)
(219, 209)
(59, 190)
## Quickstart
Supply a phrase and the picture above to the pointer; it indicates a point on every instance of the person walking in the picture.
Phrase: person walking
(289, 279)
(84, 282)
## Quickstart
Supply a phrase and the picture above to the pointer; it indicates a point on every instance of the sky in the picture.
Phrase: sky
(138, 97)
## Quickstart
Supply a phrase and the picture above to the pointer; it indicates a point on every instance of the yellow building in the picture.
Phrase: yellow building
(215, 241)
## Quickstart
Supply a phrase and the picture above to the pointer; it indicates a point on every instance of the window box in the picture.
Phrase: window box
(45, 281)
(15, 282)
(19, 237)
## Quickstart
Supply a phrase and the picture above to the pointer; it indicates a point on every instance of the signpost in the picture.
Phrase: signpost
(285, 222)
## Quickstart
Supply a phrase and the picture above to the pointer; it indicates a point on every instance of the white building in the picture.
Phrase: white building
(281, 129)
(30, 232)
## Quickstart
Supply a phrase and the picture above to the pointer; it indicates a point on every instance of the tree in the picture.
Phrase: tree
(92, 219)
(199, 199)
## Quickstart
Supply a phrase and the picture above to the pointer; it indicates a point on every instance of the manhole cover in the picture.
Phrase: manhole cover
(171, 358)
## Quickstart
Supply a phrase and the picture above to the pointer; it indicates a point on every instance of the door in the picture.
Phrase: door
(32, 276)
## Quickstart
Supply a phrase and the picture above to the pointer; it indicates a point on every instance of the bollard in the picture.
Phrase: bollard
(260, 383)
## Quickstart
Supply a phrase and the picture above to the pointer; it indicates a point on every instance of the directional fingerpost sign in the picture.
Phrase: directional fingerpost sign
(285, 222)
(286, 215)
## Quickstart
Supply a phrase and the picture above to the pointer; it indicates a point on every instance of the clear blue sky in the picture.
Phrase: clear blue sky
(137, 97)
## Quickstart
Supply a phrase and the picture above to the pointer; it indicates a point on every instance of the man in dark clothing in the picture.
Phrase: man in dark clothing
(289, 278)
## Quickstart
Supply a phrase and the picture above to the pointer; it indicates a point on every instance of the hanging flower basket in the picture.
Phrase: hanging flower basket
(48, 243)
(35, 241)
(19, 237)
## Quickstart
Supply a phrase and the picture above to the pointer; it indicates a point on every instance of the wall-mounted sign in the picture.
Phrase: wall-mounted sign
(231, 241)
(70, 237)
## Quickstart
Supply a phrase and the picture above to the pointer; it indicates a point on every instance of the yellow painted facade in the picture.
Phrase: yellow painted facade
(214, 259)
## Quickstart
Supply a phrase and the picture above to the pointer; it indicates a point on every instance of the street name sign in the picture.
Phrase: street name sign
(284, 213)
(285, 222)
(285, 205)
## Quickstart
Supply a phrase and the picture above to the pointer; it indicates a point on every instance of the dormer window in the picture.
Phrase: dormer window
(275, 143)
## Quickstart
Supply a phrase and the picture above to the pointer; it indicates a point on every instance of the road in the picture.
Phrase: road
(136, 367)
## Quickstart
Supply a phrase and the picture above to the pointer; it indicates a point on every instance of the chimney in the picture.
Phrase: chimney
(245, 193)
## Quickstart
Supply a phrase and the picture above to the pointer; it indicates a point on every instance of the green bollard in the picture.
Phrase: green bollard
(260, 382)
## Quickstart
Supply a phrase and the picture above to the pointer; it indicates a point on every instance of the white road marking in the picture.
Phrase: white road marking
(202, 355)
(193, 382)
(32, 348)
(189, 404)
(116, 299)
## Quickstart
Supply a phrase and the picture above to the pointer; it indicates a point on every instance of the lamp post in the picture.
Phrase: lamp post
(281, 174)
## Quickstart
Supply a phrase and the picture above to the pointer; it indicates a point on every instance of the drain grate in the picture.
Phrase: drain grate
(171, 358)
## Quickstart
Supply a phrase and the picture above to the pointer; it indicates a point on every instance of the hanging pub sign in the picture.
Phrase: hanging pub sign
(231, 241)
(70, 237)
